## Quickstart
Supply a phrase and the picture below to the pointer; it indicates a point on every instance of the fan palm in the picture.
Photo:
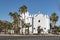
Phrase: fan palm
(16, 19)
(1, 25)
(54, 19)
(23, 9)
(27, 25)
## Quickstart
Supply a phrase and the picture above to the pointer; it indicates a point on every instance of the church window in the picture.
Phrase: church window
(38, 20)
(44, 28)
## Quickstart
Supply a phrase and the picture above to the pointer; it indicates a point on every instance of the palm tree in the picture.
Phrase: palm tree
(13, 16)
(5, 26)
(39, 30)
(54, 19)
(23, 9)
(18, 30)
(18, 23)
(1, 25)
(16, 19)
(10, 26)
(26, 25)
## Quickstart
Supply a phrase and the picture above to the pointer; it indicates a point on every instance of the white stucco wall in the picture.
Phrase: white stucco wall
(44, 22)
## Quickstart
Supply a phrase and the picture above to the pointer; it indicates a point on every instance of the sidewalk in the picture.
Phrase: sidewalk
(28, 35)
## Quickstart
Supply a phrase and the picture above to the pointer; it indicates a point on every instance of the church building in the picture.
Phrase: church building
(37, 21)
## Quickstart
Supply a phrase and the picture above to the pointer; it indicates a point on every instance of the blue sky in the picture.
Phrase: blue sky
(34, 6)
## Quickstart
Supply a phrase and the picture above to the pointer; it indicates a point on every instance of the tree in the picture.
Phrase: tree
(10, 26)
(5, 25)
(54, 19)
(13, 16)
(27, 25)
(39, 29)
(1, 26)
(23, 9)
(18, 30)
(16, 19)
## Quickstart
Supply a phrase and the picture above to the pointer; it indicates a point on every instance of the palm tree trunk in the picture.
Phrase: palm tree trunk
(19, 25)
(54, 24)
(22, 27)
(28, 30)
(24, 23)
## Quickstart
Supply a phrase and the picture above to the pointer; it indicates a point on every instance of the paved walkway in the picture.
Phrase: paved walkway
(28, 35)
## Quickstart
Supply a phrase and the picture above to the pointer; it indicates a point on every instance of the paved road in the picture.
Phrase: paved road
(29, 37)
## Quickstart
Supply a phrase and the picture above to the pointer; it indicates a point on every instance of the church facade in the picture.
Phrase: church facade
(37, 21)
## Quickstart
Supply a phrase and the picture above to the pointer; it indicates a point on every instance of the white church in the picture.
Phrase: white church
(36, 20)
